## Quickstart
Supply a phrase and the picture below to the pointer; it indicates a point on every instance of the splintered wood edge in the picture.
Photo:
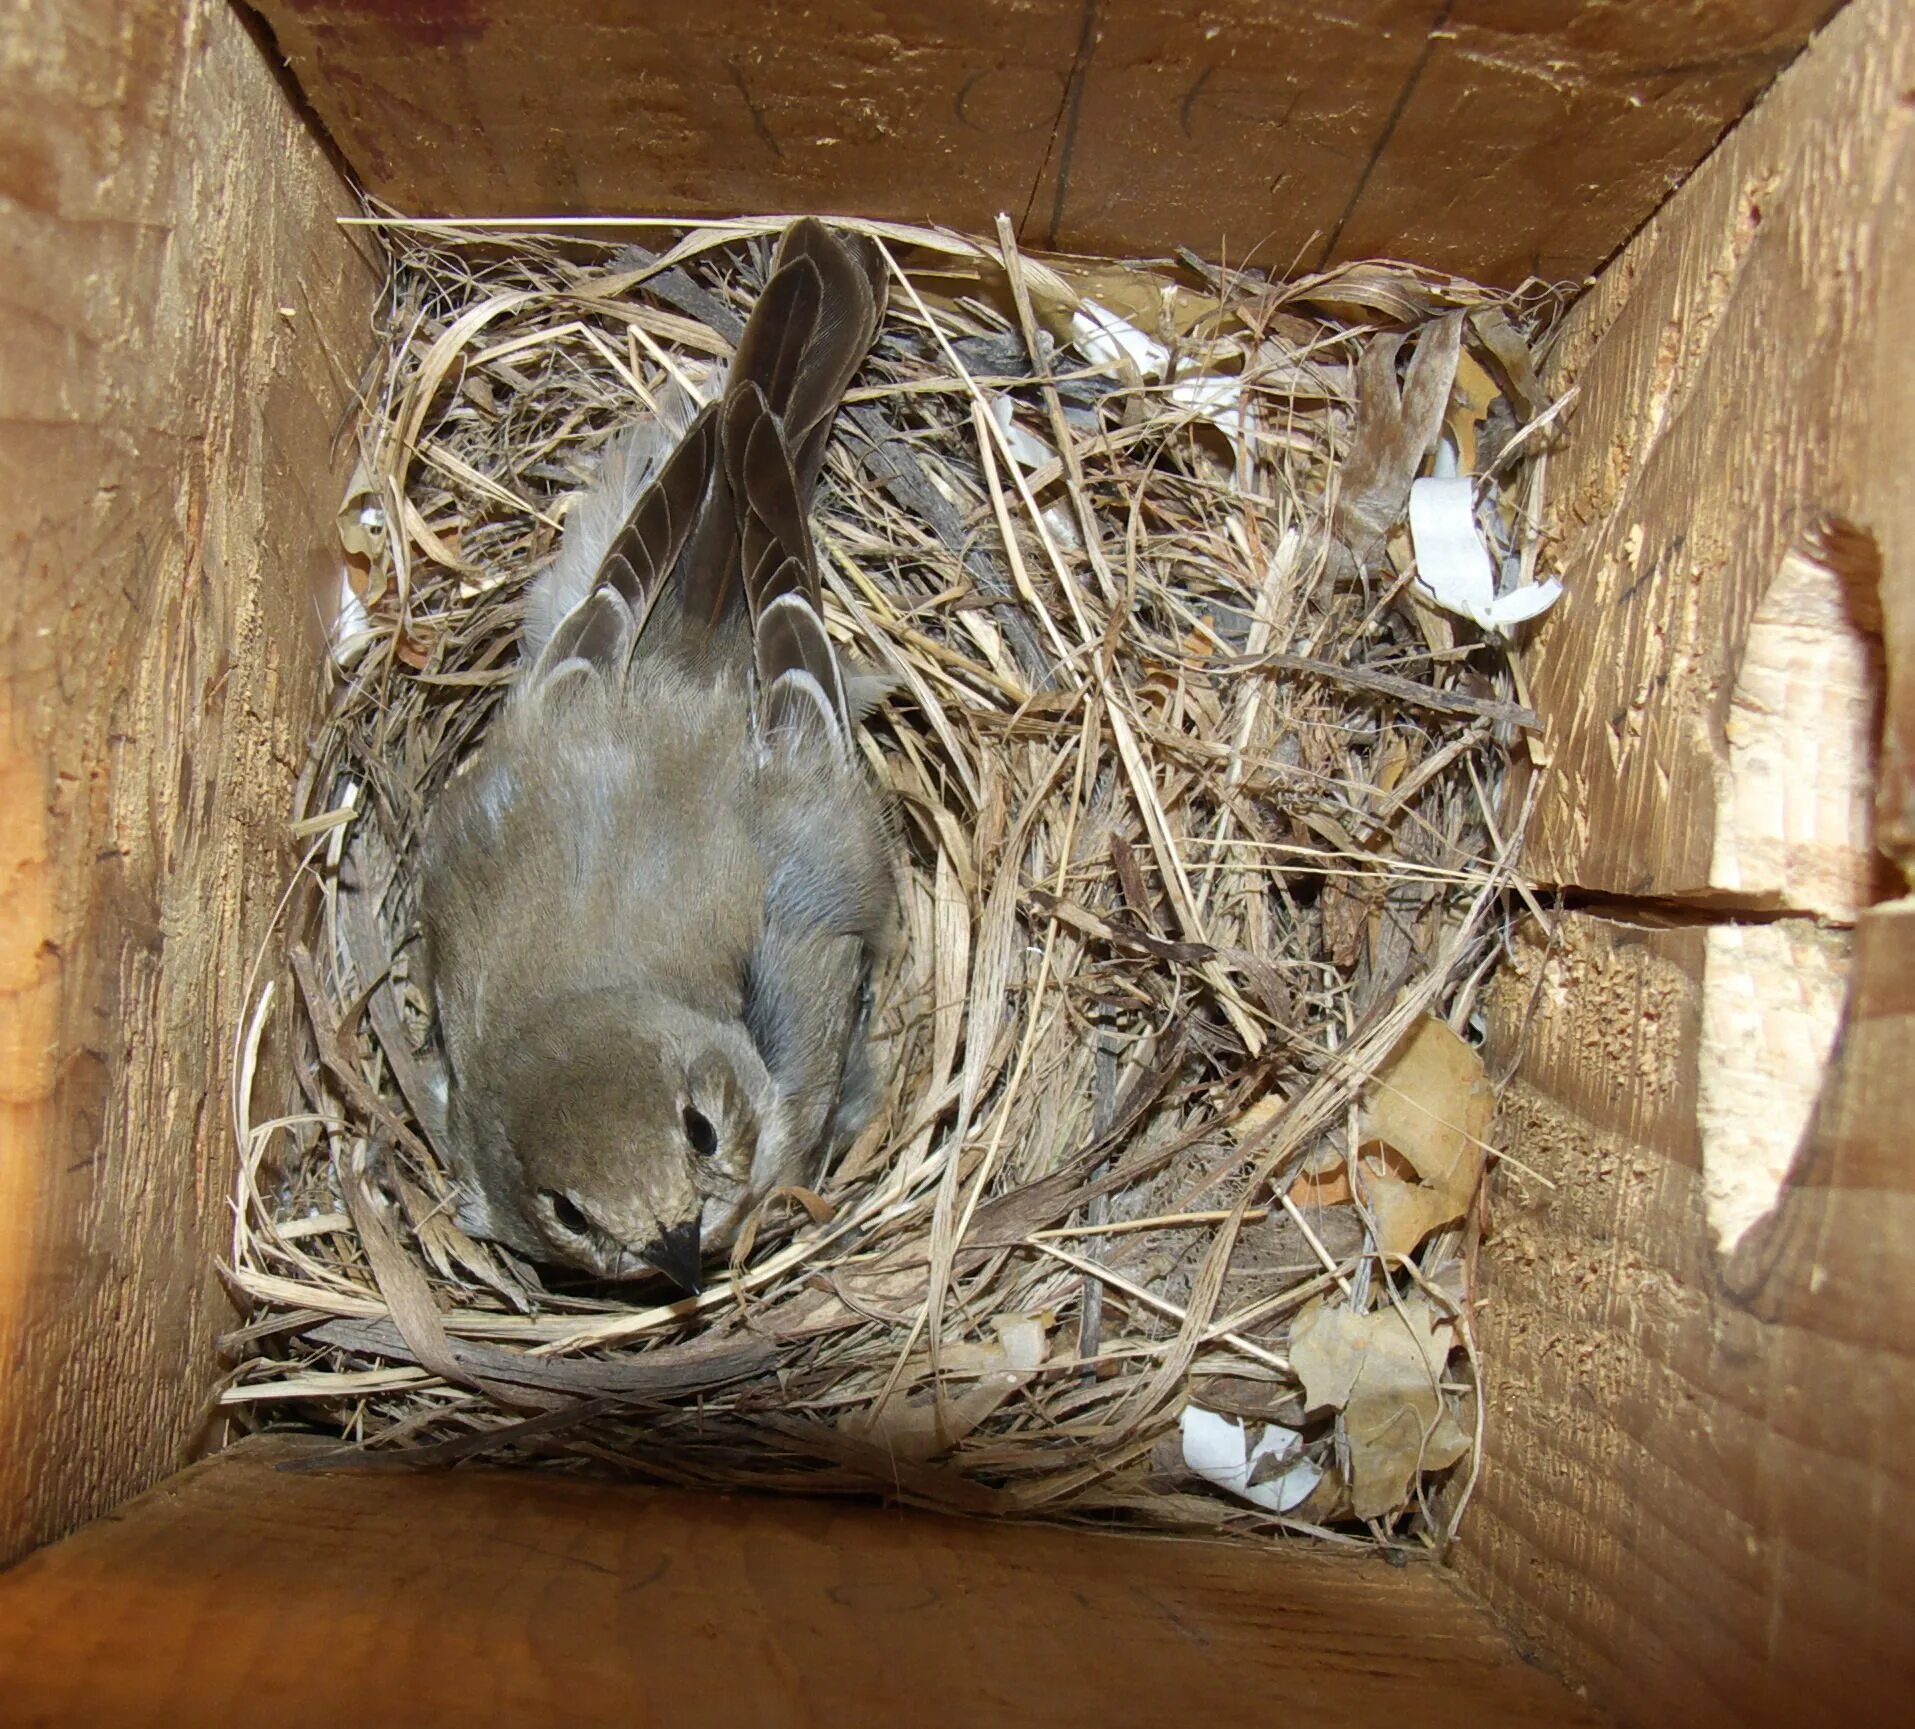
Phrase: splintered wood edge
(1735, 532)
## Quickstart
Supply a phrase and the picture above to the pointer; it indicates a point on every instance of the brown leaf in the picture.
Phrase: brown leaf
(1330, 1188)
(1405, 1213)
(1430, 1104)
(1347, 906)
(1382, 1370)
(1117, 934)
(1470, 398)
(1367, 293)
(362, 521)
(1511, 355)
(1257, 1401)
(411, 651)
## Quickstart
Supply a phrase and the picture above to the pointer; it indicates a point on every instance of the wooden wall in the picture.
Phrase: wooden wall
(1494, 137)
(1700, 1471)
(180, 328)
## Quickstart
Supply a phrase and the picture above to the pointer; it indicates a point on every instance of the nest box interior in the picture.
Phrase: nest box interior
(1695, 1318)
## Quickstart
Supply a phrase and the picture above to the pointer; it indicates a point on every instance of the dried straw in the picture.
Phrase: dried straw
(1204, 805)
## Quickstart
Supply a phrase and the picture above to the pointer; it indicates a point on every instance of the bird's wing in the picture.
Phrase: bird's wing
(626, 469)
(597, 634)
(805, 1006)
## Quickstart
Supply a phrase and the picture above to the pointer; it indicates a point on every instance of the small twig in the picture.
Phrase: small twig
(1404, 690)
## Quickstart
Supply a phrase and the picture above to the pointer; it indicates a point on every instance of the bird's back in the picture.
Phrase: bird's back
(671, 811)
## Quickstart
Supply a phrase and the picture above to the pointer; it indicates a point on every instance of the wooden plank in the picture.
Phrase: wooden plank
(1493, 140)
(237, 1594)
(1699, 1452)
(1747, 400)
(180, 329)
(1698, 1463)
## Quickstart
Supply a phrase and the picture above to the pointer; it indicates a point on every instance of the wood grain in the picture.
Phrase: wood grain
(1696, 1463)
(179, 331)
(1496, 139)
(1697, 1456)
(237, 1594)
(1747, 398)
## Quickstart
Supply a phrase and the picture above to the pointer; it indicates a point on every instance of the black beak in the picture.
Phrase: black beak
(677, 1255)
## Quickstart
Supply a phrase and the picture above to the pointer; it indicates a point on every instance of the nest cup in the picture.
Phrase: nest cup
(1211, 801)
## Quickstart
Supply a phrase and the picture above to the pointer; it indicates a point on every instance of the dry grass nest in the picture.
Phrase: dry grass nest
(1210, 839)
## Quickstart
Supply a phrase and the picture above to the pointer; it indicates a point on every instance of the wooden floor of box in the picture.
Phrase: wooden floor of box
(240, 1592)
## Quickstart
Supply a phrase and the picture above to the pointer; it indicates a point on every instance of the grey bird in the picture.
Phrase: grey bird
(655, 899)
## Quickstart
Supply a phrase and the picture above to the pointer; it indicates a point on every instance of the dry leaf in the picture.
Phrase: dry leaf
(362, 536)
(909, 1425)
(411, 651)
(362, 515)
(1348, 905)
(1405, 1213)
(1368, 292)
(1382, 1371)
(1430, 1104)
(1391, 762)
(1470, 397)
(1511, 352)
(1258, 1115)
(1330, 1188)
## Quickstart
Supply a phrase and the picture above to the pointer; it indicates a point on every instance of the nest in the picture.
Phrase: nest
(1169, 1214)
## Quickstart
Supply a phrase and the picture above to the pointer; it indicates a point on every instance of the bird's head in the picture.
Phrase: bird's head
(631, 1146)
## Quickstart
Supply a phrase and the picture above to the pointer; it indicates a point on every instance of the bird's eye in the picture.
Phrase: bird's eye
(698, 1130)
(567, 1214)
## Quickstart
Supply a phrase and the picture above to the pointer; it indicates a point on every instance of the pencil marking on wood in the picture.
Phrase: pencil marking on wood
(1390, 124)
(759, 124)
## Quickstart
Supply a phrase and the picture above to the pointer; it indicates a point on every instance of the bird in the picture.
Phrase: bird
(655, 898)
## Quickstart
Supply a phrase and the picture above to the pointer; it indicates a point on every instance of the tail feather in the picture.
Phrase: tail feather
(777, 344)
(778, 562)
(806, 338)
(725, 523)
(770, 507)
(851, 300)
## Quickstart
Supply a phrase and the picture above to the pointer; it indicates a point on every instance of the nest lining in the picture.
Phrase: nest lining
(1210, 834)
